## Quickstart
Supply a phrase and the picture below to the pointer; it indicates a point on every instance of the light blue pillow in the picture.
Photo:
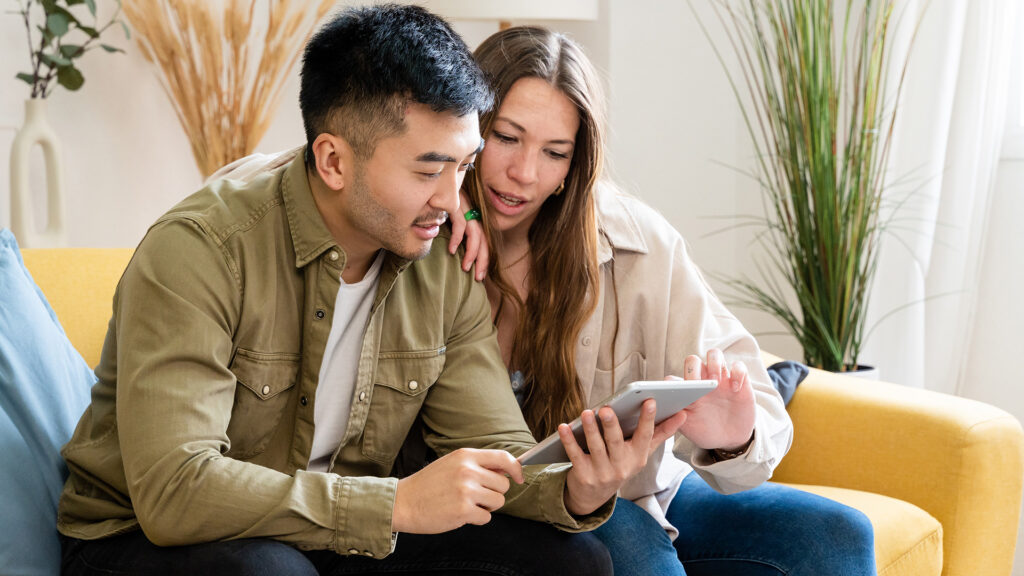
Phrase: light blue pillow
(44, 388)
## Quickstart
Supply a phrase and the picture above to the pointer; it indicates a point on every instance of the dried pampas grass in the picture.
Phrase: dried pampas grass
(223, 74)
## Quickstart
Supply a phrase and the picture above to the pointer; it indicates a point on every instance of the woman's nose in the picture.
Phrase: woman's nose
(523, 168)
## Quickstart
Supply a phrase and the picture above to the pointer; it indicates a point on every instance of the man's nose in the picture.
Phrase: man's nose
(446, 196)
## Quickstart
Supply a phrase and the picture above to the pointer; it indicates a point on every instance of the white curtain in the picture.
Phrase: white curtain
(942, 170)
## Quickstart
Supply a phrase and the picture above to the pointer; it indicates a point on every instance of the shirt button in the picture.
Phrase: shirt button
(353, 551)
(413, 384)
(303, 401)
(320, 314)
(587, 340)
(362, 396)
(333, 255)
(266, 390)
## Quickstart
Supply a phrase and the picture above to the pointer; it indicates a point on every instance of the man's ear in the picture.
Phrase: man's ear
(333, 157)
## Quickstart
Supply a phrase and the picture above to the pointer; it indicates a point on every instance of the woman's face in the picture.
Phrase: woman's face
(527, 154)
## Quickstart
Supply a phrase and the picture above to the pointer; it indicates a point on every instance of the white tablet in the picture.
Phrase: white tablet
(670, 395)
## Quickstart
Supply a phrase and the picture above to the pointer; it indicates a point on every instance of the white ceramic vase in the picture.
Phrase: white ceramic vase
(37, 130)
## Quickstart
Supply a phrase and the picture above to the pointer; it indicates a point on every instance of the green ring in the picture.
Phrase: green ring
(473, 214)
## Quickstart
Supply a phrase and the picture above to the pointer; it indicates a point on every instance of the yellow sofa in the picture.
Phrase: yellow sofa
(939, 476)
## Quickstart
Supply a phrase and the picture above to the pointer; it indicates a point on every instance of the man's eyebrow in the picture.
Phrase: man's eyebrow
(442, 157)
(435, 157)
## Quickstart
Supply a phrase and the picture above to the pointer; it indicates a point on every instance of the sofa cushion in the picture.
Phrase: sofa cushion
(908, 540)
(44, 387)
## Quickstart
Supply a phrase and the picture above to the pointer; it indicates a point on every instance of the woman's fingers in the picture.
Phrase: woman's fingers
(692, 368)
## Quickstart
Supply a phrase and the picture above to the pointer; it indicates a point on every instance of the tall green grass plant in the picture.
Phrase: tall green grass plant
(815, 100)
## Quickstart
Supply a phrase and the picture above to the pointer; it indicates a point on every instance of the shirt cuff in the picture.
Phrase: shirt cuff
(552, 484)
(364, 510)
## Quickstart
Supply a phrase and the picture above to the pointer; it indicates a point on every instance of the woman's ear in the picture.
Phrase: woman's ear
(332, 158)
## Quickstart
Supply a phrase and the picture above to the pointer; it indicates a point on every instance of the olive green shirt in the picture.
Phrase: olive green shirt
(201, 424)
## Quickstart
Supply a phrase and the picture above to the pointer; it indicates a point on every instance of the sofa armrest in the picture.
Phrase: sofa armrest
(960, 460)
(79, 285)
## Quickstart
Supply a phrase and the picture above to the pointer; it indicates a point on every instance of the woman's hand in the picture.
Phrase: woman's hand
(476, 241)
(724, 417)
(597, 476)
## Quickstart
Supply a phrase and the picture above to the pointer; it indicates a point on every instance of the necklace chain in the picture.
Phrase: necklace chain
(517, 260)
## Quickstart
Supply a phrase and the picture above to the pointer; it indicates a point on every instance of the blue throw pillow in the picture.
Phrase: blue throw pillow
(44, 388)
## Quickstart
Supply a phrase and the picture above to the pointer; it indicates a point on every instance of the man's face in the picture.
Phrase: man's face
(398, 199)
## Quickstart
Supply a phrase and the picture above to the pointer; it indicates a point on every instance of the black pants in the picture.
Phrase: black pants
(507, 546)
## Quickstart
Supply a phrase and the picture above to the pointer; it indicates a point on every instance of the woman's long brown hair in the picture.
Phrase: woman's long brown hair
(564, 282)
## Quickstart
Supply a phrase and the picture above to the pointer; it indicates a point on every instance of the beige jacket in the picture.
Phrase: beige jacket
(666, 312)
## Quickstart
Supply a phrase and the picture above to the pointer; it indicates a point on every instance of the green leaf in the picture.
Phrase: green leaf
(47, 35)
(27, 78)
(57, 24)
(127, 31)
(68, 50)
(55, 61)
(110, 48)
(67, 14)
(70, 78)
(92, 7)
(74, 2)
(90, 31)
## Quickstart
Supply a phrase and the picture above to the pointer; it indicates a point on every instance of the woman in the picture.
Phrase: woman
(591, 289)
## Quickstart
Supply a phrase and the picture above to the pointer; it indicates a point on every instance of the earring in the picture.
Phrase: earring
(560, 188)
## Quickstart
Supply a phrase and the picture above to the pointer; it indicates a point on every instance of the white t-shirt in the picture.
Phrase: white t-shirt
(338, 372)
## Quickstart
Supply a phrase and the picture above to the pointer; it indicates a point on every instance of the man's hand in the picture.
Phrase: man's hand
(597, 476)
(462, 487)
(724, 417)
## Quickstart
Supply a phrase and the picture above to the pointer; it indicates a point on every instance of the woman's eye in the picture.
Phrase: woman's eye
(505, 138)
(558, 155)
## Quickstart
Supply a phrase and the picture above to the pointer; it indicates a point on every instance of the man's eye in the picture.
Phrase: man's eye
(468, 167)
(430, 175)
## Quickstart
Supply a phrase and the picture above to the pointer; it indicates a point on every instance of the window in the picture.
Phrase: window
(1013, 141)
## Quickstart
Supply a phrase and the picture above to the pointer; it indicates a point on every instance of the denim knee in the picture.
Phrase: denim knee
(259, 557)
(841, 541)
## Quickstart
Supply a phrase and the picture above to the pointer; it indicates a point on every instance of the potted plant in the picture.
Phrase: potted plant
(59, 32)
(821, 111)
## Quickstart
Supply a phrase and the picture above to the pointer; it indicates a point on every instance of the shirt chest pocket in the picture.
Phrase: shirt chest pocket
(401, 385)
(261, 399)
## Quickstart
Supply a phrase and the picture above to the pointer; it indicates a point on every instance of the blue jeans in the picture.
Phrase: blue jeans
(506, 546)
(771, 530)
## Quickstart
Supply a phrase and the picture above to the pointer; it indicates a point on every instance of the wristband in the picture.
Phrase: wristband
(720, 455)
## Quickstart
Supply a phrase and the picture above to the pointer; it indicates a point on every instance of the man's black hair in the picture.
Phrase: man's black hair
(362, 67)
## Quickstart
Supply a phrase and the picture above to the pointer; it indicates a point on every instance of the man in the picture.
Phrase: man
(273, 342)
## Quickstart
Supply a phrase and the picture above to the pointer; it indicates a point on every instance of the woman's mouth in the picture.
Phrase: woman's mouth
(505, 204)
(508, 200)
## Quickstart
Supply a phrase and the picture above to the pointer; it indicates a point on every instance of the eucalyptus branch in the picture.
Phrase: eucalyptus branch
(54, 58)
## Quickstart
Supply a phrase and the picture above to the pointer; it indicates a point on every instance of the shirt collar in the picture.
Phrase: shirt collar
(310, 236)
(616, 224)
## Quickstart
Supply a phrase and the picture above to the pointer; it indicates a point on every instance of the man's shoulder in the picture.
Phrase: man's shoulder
(224, 207)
